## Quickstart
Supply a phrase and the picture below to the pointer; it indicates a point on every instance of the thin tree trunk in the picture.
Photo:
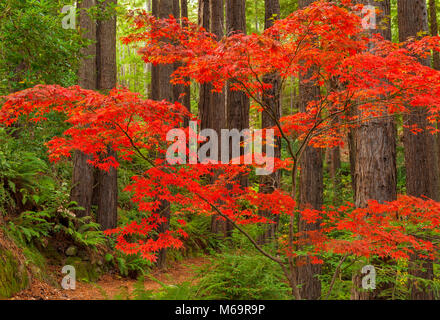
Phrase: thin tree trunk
(422, 168)
(333, 159)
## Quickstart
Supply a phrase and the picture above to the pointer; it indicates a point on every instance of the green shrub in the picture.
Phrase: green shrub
(242, 275)
(183, 291)
(131, 266)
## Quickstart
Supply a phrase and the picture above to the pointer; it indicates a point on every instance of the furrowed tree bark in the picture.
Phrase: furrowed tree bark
(375, 168)
(82, 177)
(178, 89)
(271, 98)
(186, 89)
(154, 87)
(433, 28)
(237, 102)
(310, 189)
(217, 99)
(375, 172)
(165, 90)
(205, 88)
(217, 108)
(206, 99)
(422, 168)
(107, 181)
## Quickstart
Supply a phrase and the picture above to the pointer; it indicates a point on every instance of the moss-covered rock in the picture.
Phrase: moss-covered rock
(51, 254)
(85, 270)
(13, 275)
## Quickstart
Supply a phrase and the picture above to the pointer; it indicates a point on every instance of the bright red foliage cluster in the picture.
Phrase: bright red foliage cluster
(375, 76)
(395, 229)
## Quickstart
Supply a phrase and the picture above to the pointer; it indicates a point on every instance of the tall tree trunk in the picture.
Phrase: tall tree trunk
(433, 27)
(375, 168)
(422, 168)
(271, 98)
(186, 89)
(164, 90)
(178, 89)
(217, 108)
(154, 87)
(82, 179)
(205, 88)
(107, 181)
(310, 188)
(375, 172)
(237, 102)
(217, 100)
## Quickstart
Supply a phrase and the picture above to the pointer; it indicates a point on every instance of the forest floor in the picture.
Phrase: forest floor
(111, 285)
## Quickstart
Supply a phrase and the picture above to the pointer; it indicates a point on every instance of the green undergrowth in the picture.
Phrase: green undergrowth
(13, 275)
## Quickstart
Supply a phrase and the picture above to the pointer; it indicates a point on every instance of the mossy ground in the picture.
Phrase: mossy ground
(13, 275)
(85, 270)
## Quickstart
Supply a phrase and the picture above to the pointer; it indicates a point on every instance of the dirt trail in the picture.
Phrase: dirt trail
(108, 286)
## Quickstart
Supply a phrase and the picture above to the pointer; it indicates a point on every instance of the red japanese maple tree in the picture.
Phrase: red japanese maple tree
(384, 81)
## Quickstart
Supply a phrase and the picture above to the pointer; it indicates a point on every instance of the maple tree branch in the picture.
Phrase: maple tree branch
(290, 276)
(335, 275)
(256, 245)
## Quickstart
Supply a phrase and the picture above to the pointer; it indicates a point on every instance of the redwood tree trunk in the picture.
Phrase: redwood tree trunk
(107, 181)
(82, 178)
(164, 90)
(375, 168)
(375, 172)
(217, 108)
(237, 102)
(205, 88)
(154, 87)
(217, 100)
(271, 98)
(310, 189)
(178, 89)
(422, 169)
(186, 89)
(433, 27)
